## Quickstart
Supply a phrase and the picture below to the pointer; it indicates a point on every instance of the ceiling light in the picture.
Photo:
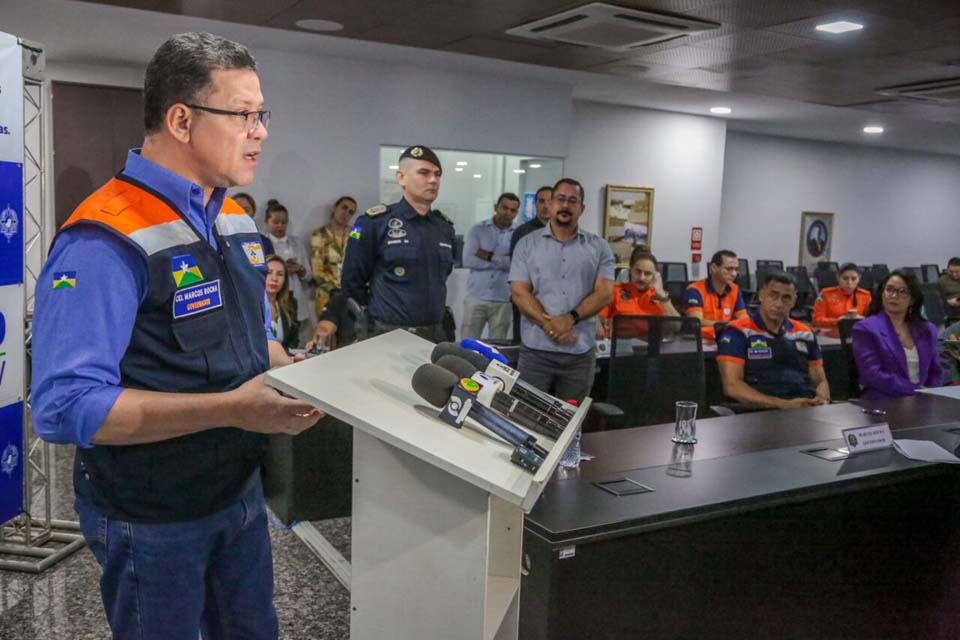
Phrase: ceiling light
(535, 166)
(458, 169)
(319, 25)
(721, 111)
(394, 167)
(841, 26)
(873, 129)
(461, 163)
(519, 171)
(477, 175)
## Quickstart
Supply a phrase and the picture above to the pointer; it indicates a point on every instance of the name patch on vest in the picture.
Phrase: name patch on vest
(759, 350)
(196, 299)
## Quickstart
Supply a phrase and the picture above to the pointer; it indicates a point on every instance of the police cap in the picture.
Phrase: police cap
(420, 152)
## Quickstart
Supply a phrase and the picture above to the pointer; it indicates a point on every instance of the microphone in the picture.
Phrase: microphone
(452, 348)
(490, 395)
(458, 399)
(486, 350)
(512, 384)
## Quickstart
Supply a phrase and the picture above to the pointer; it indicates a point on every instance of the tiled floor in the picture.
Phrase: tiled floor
(63, 603)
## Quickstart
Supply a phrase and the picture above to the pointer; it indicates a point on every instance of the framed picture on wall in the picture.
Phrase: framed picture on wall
(816, 238)
(627, 219)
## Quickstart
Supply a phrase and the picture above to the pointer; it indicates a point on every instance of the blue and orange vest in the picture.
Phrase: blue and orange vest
(200, 329)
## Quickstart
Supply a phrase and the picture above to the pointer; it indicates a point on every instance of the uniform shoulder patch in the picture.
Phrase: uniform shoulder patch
(443, 217)
(376, 210)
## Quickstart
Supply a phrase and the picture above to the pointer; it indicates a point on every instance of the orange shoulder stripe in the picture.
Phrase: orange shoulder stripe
(123, 207)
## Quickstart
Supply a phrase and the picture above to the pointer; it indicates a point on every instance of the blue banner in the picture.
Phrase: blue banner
(11, 223)
(11, 461)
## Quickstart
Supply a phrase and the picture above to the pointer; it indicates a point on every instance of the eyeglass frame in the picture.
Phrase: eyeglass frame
(563, 200)
(262, 115)
(896, 292)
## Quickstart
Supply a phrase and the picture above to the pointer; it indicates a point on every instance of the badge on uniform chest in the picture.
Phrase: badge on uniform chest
(759, 349)
(624, 294)
(254, 253)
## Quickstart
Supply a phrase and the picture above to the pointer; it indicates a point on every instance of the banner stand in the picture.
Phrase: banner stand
(27, 529)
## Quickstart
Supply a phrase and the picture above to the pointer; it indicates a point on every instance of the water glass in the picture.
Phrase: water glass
(685, 431)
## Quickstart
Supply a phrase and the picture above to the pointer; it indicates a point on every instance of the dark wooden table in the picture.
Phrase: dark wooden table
(744, 536)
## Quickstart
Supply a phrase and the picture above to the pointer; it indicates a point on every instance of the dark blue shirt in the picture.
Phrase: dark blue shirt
(397, 262)
(79, 340)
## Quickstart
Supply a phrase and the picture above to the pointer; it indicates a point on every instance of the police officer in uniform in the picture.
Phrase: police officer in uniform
(399, 256)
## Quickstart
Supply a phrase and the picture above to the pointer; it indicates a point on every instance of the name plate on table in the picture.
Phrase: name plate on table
(868, 438)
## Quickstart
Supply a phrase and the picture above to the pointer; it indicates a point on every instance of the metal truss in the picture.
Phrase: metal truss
(34, 534)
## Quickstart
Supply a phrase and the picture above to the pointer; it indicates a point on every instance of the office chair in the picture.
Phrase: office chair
(825, 276)
(654, 361)
(931, 272)
(844, 325)
(933, 307)
(673, 271)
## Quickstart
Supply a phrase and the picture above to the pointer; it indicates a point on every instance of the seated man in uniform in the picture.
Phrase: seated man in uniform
(769, 360)
(716, 298)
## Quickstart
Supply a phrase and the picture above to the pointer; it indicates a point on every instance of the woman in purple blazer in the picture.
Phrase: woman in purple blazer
(895, 348)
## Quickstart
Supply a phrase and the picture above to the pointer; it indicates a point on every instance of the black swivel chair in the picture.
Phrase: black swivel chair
(880, 271)
(868, 278)
(806, 294)
(655, 361)
(933, 307)
(743, 278)
(826, 277)
(770, 264)
(844, 325)
(917, 271)
(931, 272)
(673, 271)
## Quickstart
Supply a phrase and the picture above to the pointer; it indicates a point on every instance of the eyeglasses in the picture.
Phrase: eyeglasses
(259, 117)
(895, 292)
(562, 200)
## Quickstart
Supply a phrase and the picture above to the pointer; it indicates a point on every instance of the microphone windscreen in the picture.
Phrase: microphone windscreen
(478, 360)
(434, 384)
(444, 349)
(457, 365)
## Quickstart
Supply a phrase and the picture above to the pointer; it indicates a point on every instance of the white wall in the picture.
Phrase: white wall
(896, 207)
(330, 116)
(681, 156)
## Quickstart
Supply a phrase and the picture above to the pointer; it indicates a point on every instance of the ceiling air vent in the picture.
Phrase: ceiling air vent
(610, 27)
(935, 91)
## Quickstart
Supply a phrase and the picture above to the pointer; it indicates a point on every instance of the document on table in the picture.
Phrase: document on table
(924, 451)
(946, 392)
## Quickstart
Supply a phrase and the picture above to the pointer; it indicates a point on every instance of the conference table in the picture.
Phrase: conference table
(745, 536)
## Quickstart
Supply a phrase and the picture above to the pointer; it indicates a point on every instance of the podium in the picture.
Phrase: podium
(437, 511)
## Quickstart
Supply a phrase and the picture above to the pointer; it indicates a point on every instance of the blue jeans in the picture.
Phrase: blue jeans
(173, 581)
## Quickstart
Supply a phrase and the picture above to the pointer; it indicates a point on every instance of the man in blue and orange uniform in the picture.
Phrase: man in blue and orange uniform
(399, 256)
(158, 384)
(767, 359)
(716, 298)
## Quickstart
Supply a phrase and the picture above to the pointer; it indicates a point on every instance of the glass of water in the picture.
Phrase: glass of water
(685, 431)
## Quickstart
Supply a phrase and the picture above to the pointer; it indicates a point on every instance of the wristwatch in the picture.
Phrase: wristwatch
(576, 316)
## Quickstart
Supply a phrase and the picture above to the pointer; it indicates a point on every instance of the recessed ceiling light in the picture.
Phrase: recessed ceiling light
(394, 167)
(873, 129)
(841, 26)
(721, 111)
(535, 166)
(519, 171)
(461, 163)
(458, 169)
(477, 175)
(319, 25)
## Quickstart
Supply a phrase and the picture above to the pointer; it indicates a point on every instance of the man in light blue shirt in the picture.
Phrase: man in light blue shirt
(561, 276)
(486, 253)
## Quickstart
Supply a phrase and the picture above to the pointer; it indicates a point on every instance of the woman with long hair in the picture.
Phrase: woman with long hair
(895, 348)
(295, 256)
(283, 308)
(846, 300)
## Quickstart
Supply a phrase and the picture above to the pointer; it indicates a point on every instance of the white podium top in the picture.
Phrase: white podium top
(368, 386)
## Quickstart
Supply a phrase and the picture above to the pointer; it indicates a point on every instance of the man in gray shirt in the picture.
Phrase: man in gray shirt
(486, 253)
(561, 276)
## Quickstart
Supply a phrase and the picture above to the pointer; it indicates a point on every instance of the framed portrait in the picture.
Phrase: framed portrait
(816, 238)
(627, 219)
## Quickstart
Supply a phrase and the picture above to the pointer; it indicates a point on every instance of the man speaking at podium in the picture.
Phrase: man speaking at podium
(149, 342)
